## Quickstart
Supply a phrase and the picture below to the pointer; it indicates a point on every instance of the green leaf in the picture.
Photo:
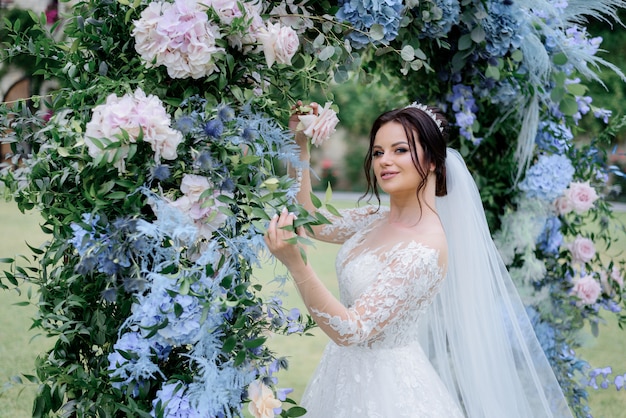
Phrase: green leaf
(407, 53)
(326, 53)
(316, 201)
(576, 89)
(257, 342)
(333, 210)
(296, 411)
(559, 59)
(568, 106)
(492, 72)
(229, 344)
(465, 42)
(478, 34)
(377, 32)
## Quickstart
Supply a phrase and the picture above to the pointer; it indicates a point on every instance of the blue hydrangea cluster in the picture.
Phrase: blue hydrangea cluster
(553, 136)
(443, 14)
(136, 364)
(548, 177)
(465, 108)
(174, 402)
(362, 14)
(551, 238)
(544, 331)
(502, 27)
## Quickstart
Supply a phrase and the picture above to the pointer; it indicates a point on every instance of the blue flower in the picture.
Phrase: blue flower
(362, 14)
(161, 172)
(553, 136)
(503, 30)
(548, 178)
(225, 113)
(214, 128)
(464, 106)
(172, 401)
(440, 17)
(550, 239)
(185, 124)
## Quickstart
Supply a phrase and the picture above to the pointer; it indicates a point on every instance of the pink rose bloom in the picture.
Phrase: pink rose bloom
(582, 249)
(193, 186)
(587, 289)
(280, 43)
(262, 400)
(581, 195)
(321, 126)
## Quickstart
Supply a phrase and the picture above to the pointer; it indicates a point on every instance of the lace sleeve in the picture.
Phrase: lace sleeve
(351, 220)
(401, 291)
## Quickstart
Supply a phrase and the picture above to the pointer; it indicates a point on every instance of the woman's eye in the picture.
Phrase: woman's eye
(401, 150)
(377, 154)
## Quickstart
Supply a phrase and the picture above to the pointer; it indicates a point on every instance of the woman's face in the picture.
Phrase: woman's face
(392, 162)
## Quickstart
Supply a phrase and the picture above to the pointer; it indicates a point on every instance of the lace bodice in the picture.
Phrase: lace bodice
(384, 288)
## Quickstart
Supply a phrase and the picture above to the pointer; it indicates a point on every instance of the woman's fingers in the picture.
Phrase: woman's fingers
(276, 232)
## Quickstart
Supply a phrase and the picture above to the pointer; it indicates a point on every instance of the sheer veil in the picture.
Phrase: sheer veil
(476, 332)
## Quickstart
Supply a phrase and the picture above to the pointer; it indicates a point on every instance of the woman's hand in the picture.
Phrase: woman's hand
(276, 239)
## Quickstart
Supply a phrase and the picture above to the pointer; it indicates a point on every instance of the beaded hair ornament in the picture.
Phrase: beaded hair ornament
(429, 112)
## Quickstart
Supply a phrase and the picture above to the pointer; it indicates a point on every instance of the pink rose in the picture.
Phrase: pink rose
(321, 126)
(563, 205)
(262, 400)
(279, 43)
(587, 289)
(581, 195)
(582, 250)
(193, 186)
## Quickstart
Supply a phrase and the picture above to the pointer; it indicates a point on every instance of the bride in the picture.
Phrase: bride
(428, 323)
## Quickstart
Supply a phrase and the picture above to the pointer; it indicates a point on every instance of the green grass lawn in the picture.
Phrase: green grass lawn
(18, 349)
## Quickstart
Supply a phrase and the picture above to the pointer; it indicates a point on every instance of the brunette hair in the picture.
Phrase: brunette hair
(418, 126)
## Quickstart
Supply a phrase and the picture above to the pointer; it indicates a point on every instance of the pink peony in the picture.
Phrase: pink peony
(262, 400)
(134, 114)
(228, 10)
(582, 249)
(280, 43)
(193, 186)
(587, 289)
(581, 196)
(178, 36)
(321, 126)
(200, 206)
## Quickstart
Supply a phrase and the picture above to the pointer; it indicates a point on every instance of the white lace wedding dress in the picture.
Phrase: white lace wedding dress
(377, 367)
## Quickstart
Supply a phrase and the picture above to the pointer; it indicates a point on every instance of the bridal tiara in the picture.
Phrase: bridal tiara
(429, 112)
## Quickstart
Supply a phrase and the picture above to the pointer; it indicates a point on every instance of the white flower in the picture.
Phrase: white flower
(262, 400)
(280, 43)
(321, 126)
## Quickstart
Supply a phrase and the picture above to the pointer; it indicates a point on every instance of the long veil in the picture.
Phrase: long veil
(476, 332)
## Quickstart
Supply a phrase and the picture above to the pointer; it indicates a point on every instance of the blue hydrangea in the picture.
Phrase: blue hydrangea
(551, 238)
(137, 365)
(553, 136)
(173, 402)
(362, 14)
(502, 27)
(442, 15)
(548, 178)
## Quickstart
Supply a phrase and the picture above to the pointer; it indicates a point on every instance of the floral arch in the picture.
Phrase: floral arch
(159, 162)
